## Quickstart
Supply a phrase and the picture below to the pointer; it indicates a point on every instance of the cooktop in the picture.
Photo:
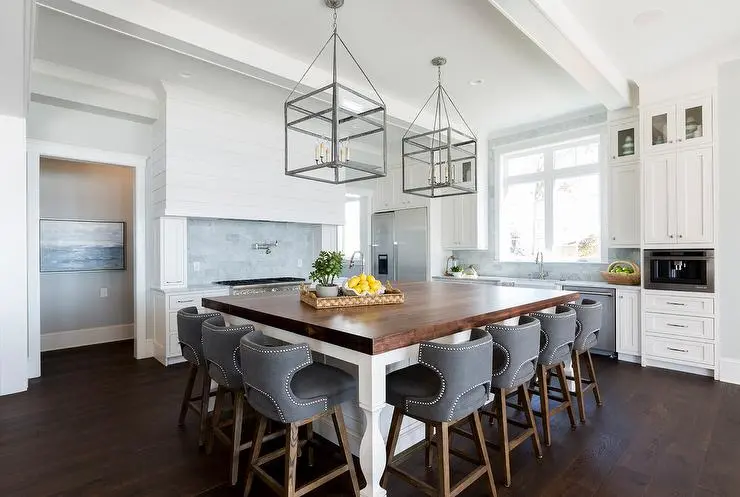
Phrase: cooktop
(259, 281)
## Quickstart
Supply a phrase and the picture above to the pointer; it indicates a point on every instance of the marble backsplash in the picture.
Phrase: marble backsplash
(222, 248)
(576, 271)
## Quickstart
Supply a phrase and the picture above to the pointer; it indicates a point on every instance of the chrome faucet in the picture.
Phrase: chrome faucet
(540, 259)
(352, 259)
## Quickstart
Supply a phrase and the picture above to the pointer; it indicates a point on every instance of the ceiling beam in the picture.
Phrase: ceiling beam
(17, 23)
(552, 27)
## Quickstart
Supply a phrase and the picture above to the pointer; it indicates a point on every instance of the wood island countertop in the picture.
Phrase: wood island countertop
(432, 310)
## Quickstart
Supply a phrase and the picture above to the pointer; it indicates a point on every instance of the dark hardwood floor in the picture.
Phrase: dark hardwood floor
(101, 423)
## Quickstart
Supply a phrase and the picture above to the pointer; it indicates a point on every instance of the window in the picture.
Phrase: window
(350, 235)
(551, 202)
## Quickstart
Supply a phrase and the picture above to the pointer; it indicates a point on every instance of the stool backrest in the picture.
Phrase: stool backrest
(190, 332)
(588, 323)
(269, 367)
(221, 351)
(558, 332)
(464, 370)
(515, 352)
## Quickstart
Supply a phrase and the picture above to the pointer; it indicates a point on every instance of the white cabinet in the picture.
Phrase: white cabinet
(165, 306)
(694, 196)
(461, 228)
(678, 197)
(676, 125)
(624, 141)
(389, 193)
(624, 205)
(628, 324)
(173, 264)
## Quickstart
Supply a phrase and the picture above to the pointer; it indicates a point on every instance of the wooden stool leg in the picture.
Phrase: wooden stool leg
(428, 433)
(256, 448)
(592, 374)
(236, 441)
(494, 405)
(544, 404)
(503, 434)
(524, 393)
(218, 406)
(579, 386)
(205, 397)
(188, 394)
(291, 459)
(341, 430)
(566, 394)
(390, 446)
(309, 437)
(443, 458)
(480, 445)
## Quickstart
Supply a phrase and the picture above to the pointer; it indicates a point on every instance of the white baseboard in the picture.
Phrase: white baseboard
(729, 370)
(90, 336)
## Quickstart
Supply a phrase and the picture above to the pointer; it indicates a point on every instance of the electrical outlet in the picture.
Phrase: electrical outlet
(300, 263)
(196, 266)
(103, 293)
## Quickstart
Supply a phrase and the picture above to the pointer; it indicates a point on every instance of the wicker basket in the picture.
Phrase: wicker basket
(391, 296)
(622, 278)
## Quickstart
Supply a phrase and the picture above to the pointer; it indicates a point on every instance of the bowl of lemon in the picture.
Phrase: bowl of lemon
(363, 284)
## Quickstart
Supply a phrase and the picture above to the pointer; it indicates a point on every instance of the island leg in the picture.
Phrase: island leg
(372, 401)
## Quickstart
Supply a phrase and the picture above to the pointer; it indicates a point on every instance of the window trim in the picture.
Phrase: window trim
(547, 143)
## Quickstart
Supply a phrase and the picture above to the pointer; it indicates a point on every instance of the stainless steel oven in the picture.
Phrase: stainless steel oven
(682, 270)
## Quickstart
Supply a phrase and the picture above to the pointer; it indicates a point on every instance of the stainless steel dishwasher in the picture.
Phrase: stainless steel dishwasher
(607, 344)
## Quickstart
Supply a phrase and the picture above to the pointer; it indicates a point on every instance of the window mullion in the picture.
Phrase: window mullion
(549, 216)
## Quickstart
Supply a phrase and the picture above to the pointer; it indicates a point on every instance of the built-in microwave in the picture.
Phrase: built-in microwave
(682, 270)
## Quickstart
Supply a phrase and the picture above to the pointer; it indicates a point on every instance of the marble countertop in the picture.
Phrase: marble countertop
(194, 289)
(493, 279)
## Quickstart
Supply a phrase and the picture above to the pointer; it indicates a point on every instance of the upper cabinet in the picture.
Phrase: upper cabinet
(463, 227)
(624, 205)
(389, 194)
(624, 141)
(671, 126)
(173, 250)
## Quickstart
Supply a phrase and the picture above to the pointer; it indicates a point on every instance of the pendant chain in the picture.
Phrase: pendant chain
(335, 21)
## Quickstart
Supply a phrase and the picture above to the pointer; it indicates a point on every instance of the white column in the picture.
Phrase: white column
(372, 401)
(16, 26)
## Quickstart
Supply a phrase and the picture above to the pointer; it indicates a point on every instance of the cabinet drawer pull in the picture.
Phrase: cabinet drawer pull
(676, 325)
(185, 301)
(678, 350)
(675, 303)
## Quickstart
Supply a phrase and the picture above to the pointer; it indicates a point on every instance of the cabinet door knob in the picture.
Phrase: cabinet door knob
(680, 236)
(614, 238)
(670, 141)
(671, 236)
(614, 156)
(621, 296)
(680, 139)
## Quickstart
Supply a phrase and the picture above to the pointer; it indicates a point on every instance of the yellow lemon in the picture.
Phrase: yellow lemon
(363, 277)
(353, 281)
(371, 278)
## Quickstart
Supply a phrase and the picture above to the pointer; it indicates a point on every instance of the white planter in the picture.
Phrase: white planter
(457, 274)
(327, 291)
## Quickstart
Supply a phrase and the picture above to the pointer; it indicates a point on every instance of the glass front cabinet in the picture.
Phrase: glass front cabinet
(624, 141)
(671, 126)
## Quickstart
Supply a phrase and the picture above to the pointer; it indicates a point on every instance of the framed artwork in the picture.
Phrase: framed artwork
(73, 245)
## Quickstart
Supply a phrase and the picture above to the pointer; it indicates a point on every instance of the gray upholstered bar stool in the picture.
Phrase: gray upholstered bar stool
(189, 334)
(221, 351)
(446, 388)
(283, 384)
(515, 352)
(558, 332)
(588, 324)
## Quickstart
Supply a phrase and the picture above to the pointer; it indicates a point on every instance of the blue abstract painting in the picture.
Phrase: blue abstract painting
(68, 245)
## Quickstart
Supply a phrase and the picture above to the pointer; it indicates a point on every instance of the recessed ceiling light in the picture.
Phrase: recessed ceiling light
(648, 17)
(185, 75)
(476, 82)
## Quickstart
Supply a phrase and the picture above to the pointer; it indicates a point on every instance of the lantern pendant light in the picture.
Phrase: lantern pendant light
(440, 162)
(335, 134)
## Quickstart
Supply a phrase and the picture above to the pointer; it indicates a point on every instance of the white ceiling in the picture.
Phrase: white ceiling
(394, 41)
(644, 37)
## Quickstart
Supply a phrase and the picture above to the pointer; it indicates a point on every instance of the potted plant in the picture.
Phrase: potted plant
(456, 271)
(326, 267)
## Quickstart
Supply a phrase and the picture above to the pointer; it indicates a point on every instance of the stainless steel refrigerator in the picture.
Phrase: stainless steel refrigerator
(399, 245)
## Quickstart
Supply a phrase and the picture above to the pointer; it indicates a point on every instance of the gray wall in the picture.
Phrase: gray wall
(71, 190)
(728, 273)
(223, 249)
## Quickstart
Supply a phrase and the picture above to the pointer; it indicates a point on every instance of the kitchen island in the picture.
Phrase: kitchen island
(374, 338)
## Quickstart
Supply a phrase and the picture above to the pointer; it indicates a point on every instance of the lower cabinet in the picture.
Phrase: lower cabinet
(164, 308)
(679, 332)
(628, 324)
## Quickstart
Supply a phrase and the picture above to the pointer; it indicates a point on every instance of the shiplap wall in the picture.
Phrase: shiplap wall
(225, 159)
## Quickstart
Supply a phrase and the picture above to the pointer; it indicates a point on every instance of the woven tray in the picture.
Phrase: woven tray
(391, 296)
(622, 278)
